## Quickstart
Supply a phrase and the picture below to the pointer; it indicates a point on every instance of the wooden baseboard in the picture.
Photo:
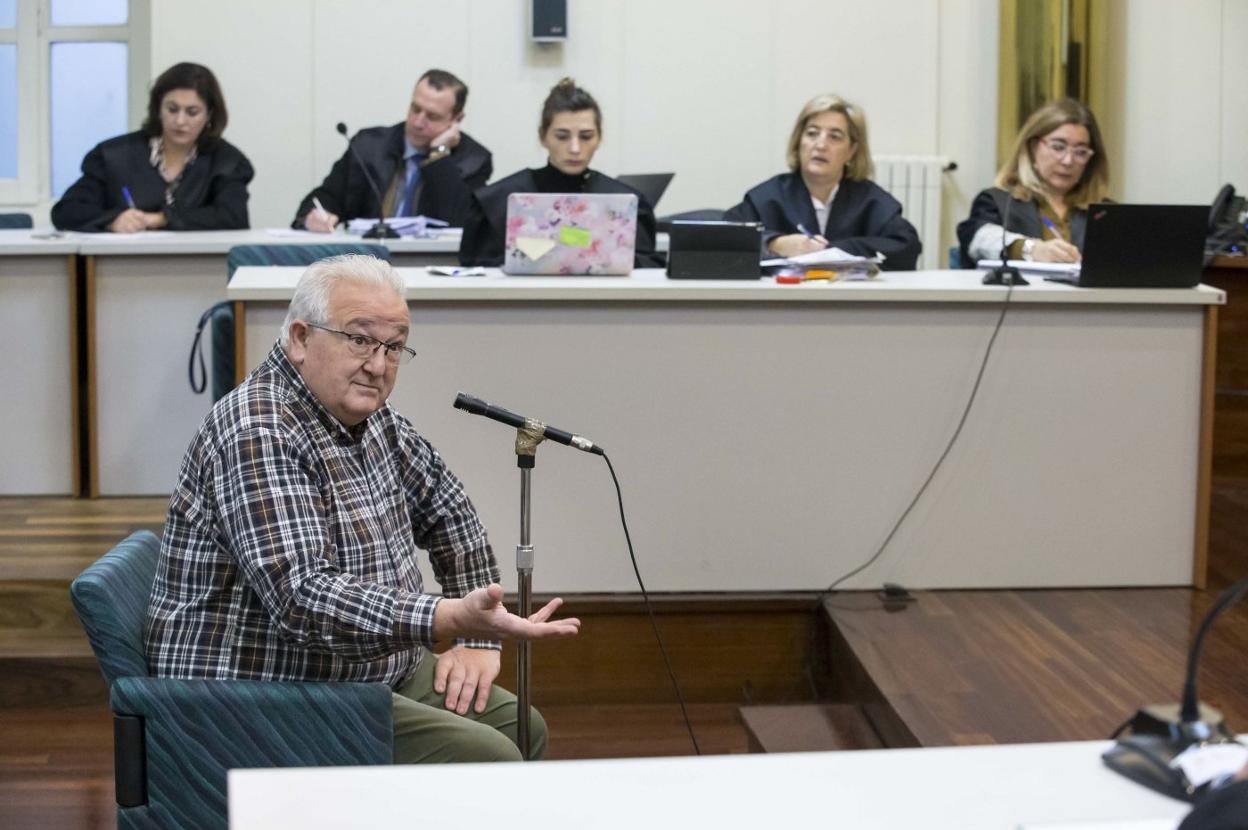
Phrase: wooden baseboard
(723, 648)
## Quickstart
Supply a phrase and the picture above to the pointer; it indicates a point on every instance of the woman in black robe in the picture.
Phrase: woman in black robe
(176, 172)
(1056, 169)
(571, 131)
(828, 199)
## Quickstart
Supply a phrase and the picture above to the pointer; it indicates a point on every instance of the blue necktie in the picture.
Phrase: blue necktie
(407, 206)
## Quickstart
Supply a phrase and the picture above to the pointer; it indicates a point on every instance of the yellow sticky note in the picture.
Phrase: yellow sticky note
(575, 237)
(534, 247)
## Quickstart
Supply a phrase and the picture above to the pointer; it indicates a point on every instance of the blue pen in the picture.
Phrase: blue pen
(1048, 223)
(125, 192)
(802, 230)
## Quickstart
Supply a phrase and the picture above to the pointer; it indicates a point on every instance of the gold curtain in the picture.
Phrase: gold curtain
(1048, 49)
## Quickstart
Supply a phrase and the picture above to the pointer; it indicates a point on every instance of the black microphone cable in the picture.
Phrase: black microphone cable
(645, 596)
(953, 439)
(476, 406)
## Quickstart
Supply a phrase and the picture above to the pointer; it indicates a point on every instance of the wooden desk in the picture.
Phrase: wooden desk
(1230, 446)
(767, 437)
(967, 788)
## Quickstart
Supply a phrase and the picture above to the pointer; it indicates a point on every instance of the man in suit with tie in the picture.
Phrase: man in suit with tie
(424, 166)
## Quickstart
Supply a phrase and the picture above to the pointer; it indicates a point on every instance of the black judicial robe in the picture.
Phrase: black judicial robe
(446, 185)
(211, 196)
(988, 208)
(485, 230)
(863, 219)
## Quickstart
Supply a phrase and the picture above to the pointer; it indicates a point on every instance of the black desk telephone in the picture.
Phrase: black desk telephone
(1228, 225)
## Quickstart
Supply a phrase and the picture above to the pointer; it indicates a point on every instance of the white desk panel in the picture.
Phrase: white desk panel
(770, 445)
(150, 290)
(36, 366)
(963, 788)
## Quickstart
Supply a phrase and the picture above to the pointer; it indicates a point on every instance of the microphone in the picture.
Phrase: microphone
(476, 406)
(1160, 733)
(381, 230)
(1005, 274)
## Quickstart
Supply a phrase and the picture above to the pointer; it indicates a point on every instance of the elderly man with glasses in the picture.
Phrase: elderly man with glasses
(290, 544)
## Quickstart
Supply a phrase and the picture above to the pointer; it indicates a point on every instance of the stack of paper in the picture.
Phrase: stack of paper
(845, 264)
(419, 227)
(1061, 269)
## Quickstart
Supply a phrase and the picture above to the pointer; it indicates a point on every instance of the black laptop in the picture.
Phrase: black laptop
(1142, 246)
(650, 185)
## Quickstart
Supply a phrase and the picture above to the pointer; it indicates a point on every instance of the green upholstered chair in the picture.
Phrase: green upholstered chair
(15, 221)
(221, 315)
(174, 740)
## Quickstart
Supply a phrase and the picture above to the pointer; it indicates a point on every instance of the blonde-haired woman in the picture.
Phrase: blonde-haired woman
(1056, 168)
(828, 199)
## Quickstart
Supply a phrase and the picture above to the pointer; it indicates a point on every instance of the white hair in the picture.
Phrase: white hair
(311, 300)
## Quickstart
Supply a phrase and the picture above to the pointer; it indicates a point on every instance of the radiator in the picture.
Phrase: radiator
(916, 182)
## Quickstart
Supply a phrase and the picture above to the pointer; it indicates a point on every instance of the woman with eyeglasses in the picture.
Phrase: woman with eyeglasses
(828, 199)
(176, 172)
(1056, 168)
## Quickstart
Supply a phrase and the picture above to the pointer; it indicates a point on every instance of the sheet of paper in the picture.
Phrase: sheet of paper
(575, 237)
(127, 237)
(1028, 267)
(452, 271)
(1112, 824)
(1202, 764)
(534, 247)
(296, 234)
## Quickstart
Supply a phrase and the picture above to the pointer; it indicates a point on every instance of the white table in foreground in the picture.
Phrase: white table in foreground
(963, 788)
(768, 436)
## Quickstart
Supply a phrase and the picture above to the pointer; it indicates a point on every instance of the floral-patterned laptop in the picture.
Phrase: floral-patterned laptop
(573, 234)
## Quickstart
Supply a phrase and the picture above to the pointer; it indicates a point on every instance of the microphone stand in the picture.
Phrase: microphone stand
(528, 437)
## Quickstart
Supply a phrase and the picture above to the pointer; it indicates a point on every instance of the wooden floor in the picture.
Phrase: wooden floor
(55, 730)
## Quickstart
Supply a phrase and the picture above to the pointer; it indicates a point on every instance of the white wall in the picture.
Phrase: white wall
(706, 88)
(1180, 125)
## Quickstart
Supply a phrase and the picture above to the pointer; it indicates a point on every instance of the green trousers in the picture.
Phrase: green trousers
(426, 732)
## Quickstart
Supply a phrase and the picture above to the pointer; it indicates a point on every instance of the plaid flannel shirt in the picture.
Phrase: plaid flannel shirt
(289, 550)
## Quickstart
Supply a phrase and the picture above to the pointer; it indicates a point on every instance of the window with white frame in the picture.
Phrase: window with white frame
(72, 73)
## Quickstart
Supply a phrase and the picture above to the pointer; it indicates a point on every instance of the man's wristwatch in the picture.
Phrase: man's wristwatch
(441, 151)
(1028, 245)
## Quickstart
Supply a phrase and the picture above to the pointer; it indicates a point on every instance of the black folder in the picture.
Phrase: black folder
(714, 250)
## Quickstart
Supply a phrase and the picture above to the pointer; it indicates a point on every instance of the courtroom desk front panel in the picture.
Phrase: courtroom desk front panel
(768, 437)
(37, 365)
(1026, 786)
(150, 290)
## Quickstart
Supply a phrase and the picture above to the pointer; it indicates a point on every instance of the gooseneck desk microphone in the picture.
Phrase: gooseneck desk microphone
(1005, 274)
(380, 230)
(1161, 734)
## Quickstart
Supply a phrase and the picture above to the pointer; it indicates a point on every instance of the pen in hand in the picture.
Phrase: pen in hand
(321, 210)
(1048, 223)
(125, 194)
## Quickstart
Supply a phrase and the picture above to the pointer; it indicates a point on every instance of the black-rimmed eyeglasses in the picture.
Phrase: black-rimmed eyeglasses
(364, 347)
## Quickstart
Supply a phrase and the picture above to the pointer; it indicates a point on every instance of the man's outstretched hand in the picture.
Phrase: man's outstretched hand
(481, 616)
